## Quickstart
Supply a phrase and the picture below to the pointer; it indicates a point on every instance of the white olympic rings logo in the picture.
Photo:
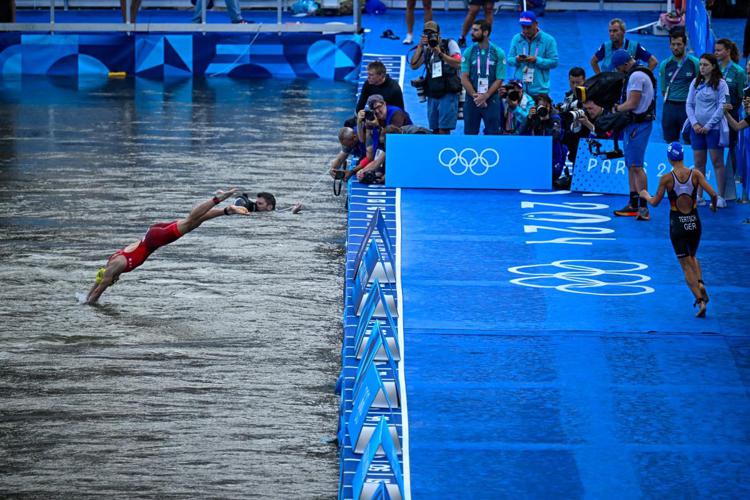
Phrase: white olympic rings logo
(467, 159)
(588, 277)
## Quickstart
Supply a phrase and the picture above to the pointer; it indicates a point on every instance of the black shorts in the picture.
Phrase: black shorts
(685, 233)
(481, 2)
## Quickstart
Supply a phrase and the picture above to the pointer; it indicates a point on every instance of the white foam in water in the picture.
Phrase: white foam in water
(80, 297)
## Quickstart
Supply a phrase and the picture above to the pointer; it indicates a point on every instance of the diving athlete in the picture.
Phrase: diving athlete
(681, 185)
(164, 233)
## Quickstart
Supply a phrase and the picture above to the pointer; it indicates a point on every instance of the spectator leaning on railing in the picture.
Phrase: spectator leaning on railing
(442, 84)
(602, 58)
(350, 146)
(533, 53)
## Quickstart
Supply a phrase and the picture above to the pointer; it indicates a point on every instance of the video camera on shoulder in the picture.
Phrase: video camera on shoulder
(244, 201)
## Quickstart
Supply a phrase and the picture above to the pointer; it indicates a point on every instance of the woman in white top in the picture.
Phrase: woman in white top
(708, 127)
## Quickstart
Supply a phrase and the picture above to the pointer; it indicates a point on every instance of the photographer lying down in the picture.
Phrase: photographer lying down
(442, 84)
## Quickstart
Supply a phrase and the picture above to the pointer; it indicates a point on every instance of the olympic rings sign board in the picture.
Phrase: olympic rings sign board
(469, 161)
(594, 173)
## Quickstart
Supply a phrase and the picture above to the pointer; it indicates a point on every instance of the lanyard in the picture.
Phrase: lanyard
(479, 64)
(674, 75)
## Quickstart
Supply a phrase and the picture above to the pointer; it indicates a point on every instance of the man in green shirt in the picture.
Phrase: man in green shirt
(482, 73)
(675, 76)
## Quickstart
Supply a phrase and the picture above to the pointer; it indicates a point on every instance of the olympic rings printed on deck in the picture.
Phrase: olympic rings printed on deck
(468, 159)
(609, 278)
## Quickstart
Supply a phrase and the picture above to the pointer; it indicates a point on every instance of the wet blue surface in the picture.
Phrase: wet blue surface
(540, 392)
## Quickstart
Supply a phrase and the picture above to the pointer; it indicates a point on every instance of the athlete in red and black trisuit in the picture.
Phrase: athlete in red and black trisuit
(681, 186)
(164, 233)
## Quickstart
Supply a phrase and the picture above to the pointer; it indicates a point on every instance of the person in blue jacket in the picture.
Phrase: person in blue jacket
(533, 53)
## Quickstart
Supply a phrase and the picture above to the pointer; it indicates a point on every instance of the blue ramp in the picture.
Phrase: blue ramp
(551, 350)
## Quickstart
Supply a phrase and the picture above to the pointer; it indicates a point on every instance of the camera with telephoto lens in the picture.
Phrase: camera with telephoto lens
(746, 93)
(512, 92)
(433, 39)
(245, 201)
(418, 84)
(542, 112)
(369, 114)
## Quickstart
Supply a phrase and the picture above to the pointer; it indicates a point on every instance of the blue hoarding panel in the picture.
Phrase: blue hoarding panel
(469, 162)
(597, 174)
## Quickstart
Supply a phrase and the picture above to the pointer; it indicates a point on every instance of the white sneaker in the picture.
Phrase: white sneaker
(721, 202)
(702, 202)
(409, 39)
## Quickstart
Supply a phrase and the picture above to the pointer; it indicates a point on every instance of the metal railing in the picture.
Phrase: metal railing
(187, 27)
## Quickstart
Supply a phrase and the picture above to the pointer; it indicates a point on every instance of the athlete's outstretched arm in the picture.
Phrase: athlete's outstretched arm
(707, 188)
(114, 269)
(656, 199)
(218, 212)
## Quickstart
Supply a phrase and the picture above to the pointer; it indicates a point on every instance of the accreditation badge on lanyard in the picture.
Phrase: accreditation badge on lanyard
(483, 83)
(528, 71)
(437, 67)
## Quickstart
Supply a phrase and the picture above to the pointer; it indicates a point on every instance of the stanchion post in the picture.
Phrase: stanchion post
(356, 16)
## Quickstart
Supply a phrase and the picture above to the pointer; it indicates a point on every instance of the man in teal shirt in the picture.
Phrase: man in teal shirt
(675, 76)
(602, 58)
(482, 72)
(532, 53)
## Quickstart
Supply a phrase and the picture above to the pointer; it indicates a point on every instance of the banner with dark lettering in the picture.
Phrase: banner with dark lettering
(595, 173)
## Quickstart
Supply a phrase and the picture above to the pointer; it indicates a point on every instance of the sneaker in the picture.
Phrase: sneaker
(721, 202)
(462, 42)
(408, 40)
(702, 202)
(643, 214)
(626, 211)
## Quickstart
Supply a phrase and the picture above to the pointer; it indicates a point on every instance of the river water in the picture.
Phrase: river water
(208, 371)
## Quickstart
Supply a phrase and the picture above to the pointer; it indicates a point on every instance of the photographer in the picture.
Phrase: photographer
(350, 145)
(482, 73)
(638, 102)
(371, 124)
(442, 60)
(544, 120)
(573, 128)
(514, 108)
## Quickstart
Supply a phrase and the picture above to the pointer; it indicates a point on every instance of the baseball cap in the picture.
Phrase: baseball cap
(675, 152)
(374, 98)
(431, 26)
(527, 18)
(619, 57)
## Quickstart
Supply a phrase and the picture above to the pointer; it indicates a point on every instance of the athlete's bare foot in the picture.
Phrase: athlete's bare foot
(701, 308)
(223, 195)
